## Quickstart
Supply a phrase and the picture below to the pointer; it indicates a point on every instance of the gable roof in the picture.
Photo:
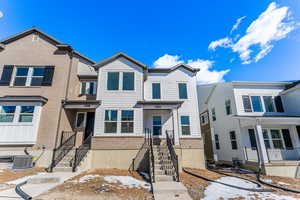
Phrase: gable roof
(57, 43)
(168, 70)
(116, 56)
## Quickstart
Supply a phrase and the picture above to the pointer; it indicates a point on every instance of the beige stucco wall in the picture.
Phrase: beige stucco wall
(39, 53)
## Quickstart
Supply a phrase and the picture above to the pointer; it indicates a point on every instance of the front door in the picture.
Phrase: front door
(89, 127)
(156, 125)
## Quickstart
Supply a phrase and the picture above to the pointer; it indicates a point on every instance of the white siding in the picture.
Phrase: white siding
(239, 91)
(21, 133)
(169, 91)
(291, 101)
(120, 100)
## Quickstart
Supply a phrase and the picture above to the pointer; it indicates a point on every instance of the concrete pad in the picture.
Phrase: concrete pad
(33, 189)
(170, 190)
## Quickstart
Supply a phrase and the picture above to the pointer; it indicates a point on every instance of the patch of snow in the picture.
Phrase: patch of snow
(267, 180)
(219, 191)
(283, 183)
(87, 178)
(127, 181)
(25, 178)
(146, 175)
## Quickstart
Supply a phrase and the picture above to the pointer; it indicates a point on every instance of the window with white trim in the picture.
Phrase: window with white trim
(111, 121)
(80, 120)
(7, 113)
(127, 121)
(233, 140)
(185, 125)
(26, 114)
(16, 113)
(88, 88)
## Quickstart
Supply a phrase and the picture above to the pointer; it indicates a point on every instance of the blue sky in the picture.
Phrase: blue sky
(163, 33)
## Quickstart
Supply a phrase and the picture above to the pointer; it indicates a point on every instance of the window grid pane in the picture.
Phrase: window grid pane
(156, 91)
(113, 81)
(128, 80)
(256, 104)
(182, 91)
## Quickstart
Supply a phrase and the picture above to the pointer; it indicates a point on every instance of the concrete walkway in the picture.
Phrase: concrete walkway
(38, 184)
(170, 190)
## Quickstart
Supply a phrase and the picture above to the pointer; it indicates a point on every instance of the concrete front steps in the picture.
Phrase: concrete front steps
(65, 165)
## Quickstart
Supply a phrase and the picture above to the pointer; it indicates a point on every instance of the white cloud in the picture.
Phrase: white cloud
(224, 42)
(272, 25)
(1, 14)
(237, 23)
(204, 76)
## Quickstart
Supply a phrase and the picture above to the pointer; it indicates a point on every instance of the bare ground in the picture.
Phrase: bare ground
(97, 188)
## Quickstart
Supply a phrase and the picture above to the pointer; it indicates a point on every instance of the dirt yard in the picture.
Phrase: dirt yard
(108, 184)
(197, 186)
(7, 175)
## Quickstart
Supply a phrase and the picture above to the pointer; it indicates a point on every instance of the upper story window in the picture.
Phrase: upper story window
(228, 107)
(128, 80)
(88, 88)
(269, 106)
(213, 114)
(32, 76)
(254, 104)
(112, 80)
(156, 91)
(182, 87)
(185, 125)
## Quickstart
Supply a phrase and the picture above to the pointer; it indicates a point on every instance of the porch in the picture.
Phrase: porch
(270, 139)
(161, 117)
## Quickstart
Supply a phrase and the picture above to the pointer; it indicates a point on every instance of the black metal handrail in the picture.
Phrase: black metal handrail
(174, 157)
(81, 152)
(141, 153)
(65, 135)
(60, 152)
(151, 157)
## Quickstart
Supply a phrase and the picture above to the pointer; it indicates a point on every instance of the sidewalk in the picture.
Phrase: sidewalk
(170, 190)
(37, 184)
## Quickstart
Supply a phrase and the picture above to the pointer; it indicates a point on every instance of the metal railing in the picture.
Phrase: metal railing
(65, 135)
(60, 152)
(151, 157)
(174, 157)
(81, 152)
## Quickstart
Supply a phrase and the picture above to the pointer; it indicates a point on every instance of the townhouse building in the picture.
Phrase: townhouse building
(71, 112)
(255, 124)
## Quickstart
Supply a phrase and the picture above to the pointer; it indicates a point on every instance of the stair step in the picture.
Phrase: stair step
(62, 169)
(163, 178)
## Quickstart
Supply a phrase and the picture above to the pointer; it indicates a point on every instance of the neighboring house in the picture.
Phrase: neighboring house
(254, 120)
(70, 112)
(40, 76)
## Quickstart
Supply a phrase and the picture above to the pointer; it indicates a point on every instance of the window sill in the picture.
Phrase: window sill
(25, 86)
(16, 124)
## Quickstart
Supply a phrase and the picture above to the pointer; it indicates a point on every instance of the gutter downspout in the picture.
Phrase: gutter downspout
(65, 97)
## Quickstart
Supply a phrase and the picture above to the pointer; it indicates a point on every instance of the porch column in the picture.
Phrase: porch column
(261, 145)
(175, 126)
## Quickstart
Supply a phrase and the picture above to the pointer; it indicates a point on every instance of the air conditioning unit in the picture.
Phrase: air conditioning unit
(23, 162)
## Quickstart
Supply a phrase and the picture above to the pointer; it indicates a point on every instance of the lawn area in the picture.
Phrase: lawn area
(109, 184)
